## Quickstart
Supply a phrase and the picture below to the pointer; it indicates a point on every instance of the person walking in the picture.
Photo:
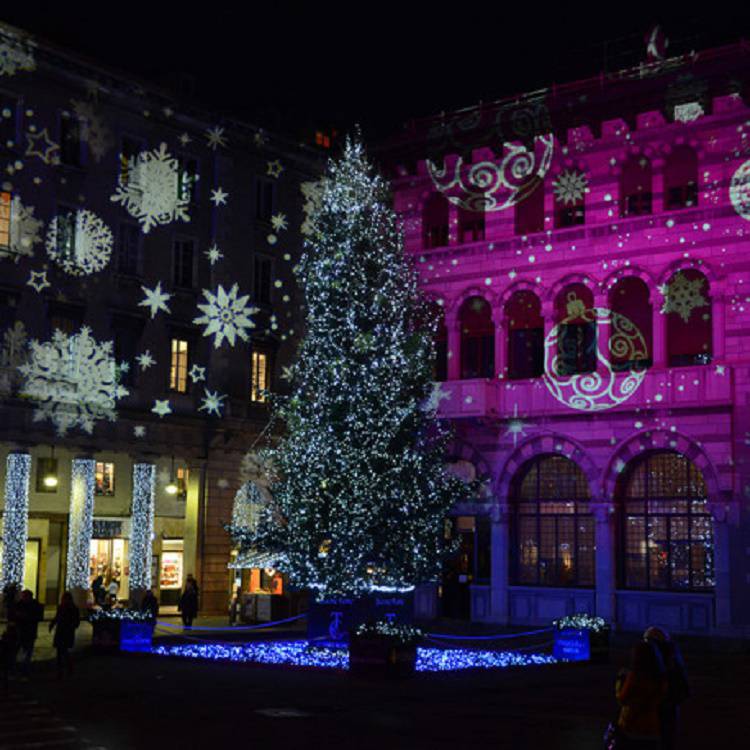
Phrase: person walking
(65, 622)
(678, 689)
(113, 589)
(150, 604)
(188, 603)
(29, 613)
(640, 693)
(97, 589)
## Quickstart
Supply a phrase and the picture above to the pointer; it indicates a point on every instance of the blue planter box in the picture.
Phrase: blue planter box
(582, 645)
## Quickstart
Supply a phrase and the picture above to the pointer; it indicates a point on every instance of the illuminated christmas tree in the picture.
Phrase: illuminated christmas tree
(361, 491)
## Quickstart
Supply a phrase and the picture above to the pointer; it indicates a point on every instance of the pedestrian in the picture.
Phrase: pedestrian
(113, 589)
(29, 613)
(97, 588)
(640, 693)
(150, 604)
(8, 651)
(10, 594)
(188, 604)
(65, 623)
(678, 689)
(235, 606)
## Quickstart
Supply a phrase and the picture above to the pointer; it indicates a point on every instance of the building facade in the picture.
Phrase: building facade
(587, 246)
(147, 305)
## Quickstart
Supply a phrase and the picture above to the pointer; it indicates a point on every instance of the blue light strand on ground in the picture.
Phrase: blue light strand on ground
(301, 654)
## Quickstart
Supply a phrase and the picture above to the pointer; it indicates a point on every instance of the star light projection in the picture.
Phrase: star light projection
(73, 380)
(225, 315)
(155, 299)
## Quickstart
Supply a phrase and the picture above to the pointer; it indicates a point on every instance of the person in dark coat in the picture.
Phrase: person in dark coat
(29, 613)
(189, 602)
(10, 595)
(65, 622)
(97, 588)
(8, 651)
(677, 684)
(150, 604)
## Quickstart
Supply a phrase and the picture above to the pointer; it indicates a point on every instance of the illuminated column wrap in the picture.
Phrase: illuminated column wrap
(144, 479)
(80, 522)
(15, 518)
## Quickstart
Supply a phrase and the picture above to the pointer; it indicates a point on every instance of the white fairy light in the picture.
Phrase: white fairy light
(144, 480)
(15, 518)
(81, 522)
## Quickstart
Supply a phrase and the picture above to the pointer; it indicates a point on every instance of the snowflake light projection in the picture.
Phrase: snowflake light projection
(150, 189)
(570, 187)
(25, 231)
(82, 246)
(15, 54)
(688, 112)
(94, 131)
(739, 191)
(682, 296)
(73, 379)
(226, 315)
(594, 391)
(312, 193)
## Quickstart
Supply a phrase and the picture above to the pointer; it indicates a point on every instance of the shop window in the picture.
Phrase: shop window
(529, 211)
(666, 529)
(525, 326)
(46, 467)
(627, 350)
(108, 559)
(681, 179)
(104, 478)
(477, 339)
(260, 375)
(552, 529)
(129, 256)
(689, 323)
(262, 279)
(576, 331)
(71, 143)
(470, 225)
(5, 208)
(129, 150)
(184, 259)
(636, 195)
(265, 199)
(179, 362)
(435, 221)
(187, 179)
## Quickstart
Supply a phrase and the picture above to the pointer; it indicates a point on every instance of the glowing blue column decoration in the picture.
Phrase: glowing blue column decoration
(80, 523)
(142, 526)
(15, 518)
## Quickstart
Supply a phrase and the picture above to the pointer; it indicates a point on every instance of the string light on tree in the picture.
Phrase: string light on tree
(81, 522)
(15, 518)
(144, 481)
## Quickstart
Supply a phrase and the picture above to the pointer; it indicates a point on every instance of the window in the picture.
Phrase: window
(65, 317)
(260, 375)
(178, 365)
(262, 274)
(182, 477)
(66, 231)
(184, 261)
(630, 337)
(8, 309)
(529, 211)
(477, 339)
(576, 331)
(127, 334)
(552, 529)
(5, 204)
(187, 179)
(71, 145)
(666, 530)
(435, 221)
(104, 479)
(635, 187)
(265, 199)
(45, 467)
(130, 148)
(681, 179)
(689, 322)
(129, 249)
(470, 225)
(523, 315)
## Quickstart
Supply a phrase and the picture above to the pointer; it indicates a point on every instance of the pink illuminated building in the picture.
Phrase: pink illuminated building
(589, 248)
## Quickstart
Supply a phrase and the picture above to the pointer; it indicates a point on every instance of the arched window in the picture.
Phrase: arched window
(681, 179)
(553, 530)
(477, 339)
(687, 305)
(630, 298)
(636, 197)
(523, 315)
(470, 226)
(666, 529)
(576, 337)
(529, 211)
(435, 221)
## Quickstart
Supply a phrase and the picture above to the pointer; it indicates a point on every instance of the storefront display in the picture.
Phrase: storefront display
(108, 558)
(170, 576)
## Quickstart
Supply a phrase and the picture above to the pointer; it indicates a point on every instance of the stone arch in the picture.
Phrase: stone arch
(461, 450)
(522, 285)
(571, 278)
(471, 291)
(622, 273)
(699, 265)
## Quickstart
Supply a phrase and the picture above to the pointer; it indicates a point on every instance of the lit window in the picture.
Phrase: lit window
(178, 366)
(259, 378)
(182, 476)
(104, 479)
(5, 220)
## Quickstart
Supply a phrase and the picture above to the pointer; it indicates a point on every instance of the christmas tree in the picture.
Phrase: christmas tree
(360, 491)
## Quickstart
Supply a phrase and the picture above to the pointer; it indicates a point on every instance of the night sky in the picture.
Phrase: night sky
(377, 64)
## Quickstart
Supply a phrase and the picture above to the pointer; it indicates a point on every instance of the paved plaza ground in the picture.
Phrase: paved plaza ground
(140, 701)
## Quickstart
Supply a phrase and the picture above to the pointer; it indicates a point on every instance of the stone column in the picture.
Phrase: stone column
(15, 518)
(604, 544)
(659, 328)
(142, 530)
(80, 527)
(717, 324)
(501, 344)
(499, 555)
(453, 327)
